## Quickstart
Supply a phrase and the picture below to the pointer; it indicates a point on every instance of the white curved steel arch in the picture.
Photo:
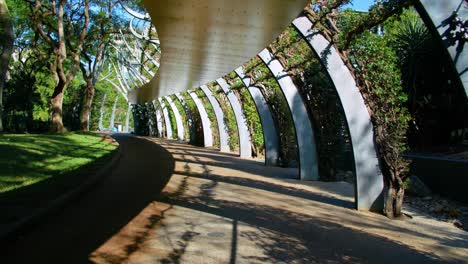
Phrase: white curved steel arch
(440, 17)
(167, 120)
(191, 134)
(223, 131)
(308, 160)
(178, 118)
(206, 123)
(369, 179)
(245, 143)
(159, 120)
(270, 133)
(135, 13)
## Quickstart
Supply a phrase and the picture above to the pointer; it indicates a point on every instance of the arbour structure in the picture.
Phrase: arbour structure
(201, 42)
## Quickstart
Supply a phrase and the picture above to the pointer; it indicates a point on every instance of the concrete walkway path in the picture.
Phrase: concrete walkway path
(217, 208)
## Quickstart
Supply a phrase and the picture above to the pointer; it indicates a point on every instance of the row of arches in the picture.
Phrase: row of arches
(369, 184)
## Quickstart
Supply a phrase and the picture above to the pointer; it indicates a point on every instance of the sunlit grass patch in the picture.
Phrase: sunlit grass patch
(26, 159)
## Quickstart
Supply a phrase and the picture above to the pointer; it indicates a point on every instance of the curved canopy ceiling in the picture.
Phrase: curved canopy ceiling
(202, 40)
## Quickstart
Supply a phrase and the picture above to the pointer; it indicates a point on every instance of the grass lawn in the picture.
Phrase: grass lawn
(29, 158)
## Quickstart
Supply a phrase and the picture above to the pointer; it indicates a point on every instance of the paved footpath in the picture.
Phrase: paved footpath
(217, 208)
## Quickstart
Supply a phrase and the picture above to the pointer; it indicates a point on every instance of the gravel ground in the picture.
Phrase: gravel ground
(440, 208)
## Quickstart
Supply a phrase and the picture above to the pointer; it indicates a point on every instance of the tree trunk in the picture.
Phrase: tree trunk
(101, 112)
(56, 103)
(6, 41)
(111, 125)
(85, 112)
(394, 201)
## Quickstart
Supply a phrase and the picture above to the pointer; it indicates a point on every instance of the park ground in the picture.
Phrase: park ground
(168, 202)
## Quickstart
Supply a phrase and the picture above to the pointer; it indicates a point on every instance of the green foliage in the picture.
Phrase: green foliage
(72, 104)
(321, 100)
(250, 112)
(194, 120)
(361, 22)
(26, 105)
(28, 159)
(262, 78)
(102, 89)
(171, 118)
(152, 122)
(386, 99)
(211, 115)
(435, 97)
(183, 116)
(229, 117)
(141, 119)
(253, 121)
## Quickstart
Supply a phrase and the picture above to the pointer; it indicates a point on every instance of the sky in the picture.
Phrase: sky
(361, 5)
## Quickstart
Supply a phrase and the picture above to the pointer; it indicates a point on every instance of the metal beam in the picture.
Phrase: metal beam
(369, 179)
(203, 40)
(192, 129)
(136, 14)
(207, 132)
(304, 130)
(270, 133)
(159, 120)
(223, 132)
(448, 20)
(245, 144)
(178, 118)
(167, 119)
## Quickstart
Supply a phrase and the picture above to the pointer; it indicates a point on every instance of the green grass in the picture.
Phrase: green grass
(28, 159)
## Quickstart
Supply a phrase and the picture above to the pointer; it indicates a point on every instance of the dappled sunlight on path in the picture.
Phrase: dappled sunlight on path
(218, 208)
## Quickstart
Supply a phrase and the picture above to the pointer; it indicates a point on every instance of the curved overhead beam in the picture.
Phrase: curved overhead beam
(245, 145)
(441, 19)
(304, 130)
(117, 88)
(132, 52)
(207, 133)
(167, 120)
(369, 179)
(204, 39)
(135, 13)
(223, 132)
(270, 133)
(148, 56)
(140, 36)
(178, 118)
(123, 82)
(122, 77)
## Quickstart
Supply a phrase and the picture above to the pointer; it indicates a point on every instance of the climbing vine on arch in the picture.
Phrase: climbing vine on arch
(261, 77)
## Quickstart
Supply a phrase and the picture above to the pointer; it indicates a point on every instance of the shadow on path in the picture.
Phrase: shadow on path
(74, 233)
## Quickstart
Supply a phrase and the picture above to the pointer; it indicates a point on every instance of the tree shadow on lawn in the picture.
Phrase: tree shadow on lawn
(78, 230)
(28, 160)
(46, 181)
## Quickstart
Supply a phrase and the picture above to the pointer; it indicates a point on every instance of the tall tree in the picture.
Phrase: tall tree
(62, 26)
(6, 49)
(94, 53)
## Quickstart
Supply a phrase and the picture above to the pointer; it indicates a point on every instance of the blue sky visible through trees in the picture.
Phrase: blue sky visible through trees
(360, 5)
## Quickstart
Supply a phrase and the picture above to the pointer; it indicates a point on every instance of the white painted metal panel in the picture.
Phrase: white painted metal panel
(202, 40)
